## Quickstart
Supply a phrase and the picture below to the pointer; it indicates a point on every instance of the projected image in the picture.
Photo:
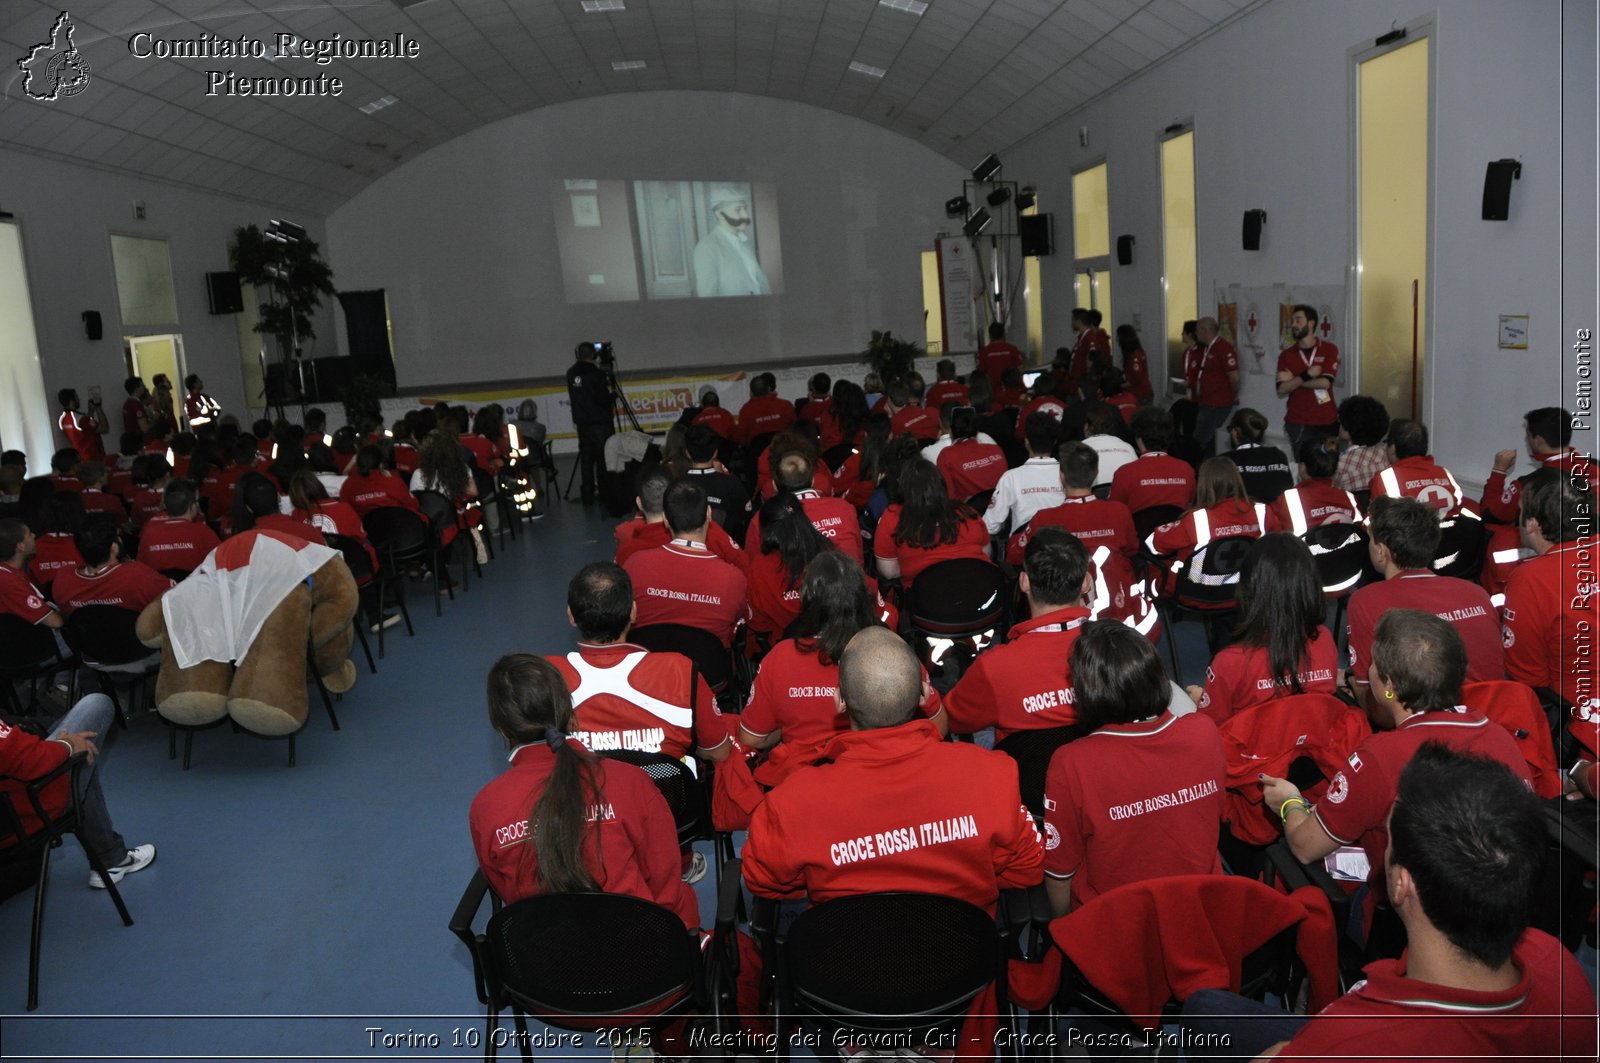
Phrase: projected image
(627, 240)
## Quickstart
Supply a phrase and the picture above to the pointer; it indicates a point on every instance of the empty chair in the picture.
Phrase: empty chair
(955, 606)
(103, 636)
(401, 539)
(28, 654)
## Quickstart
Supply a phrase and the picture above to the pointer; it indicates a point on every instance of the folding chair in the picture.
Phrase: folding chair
(1206, 588)
(28, 654)
(103, 636)
(440, 513)
(359, 562)
(1340, 554)
(711, 658)
(954, 609)
(29, 852)
(401, 538)
(1462, 539)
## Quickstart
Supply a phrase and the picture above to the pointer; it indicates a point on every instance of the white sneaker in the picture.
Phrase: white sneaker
(389, 620)
(138, 858)
(696, 870)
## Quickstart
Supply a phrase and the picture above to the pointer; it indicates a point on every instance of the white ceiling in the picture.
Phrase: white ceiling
(965, 78)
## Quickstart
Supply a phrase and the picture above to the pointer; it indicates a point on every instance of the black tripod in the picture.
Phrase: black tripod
(621, 410)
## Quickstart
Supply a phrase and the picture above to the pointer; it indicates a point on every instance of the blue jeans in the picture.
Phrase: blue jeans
(1229, 1026)
(94, 712)
(1208, 421)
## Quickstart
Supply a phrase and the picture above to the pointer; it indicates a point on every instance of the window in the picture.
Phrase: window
(144, 282)
(932, 304)
(1033, 299)
(25, 412)
(1091, 241)
(1179, 271)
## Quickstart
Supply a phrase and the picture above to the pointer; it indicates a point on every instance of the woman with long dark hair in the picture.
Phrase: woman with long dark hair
(858, 477)
(845, 418)
(255, 506)
(561, 819)
(1135, 364)
(788, 543)
(1281, 646)
(1221, 509)
(926, 527)
(372, 484)
(792, 706)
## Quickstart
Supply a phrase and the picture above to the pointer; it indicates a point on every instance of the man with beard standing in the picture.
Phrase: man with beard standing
(1306, 372)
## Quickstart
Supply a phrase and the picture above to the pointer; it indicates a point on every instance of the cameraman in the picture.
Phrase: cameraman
(589, 395)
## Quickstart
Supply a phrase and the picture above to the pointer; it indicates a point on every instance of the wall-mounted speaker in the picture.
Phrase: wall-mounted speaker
(1125, 249)
(91, 324)
(1253, 222)
(222, 293)
(1497, 188)
(1036, 233)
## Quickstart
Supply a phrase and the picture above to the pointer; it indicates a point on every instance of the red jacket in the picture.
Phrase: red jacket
(1136, 371)
(719, 420)
(1422, 479)
(23, 758)
(1155, 478)
(626, 697)
(1551, 614)
(1274, 734)
(1516, 707)
(1024, 684)
(970, 467)
(762, 415)
(381, 488)
(1311, 504)
(868, 821)
(915, 421)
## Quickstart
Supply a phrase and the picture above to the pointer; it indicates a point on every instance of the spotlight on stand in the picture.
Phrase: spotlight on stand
(1026, 197)
(986, 169)
(999, 196)
(977, 223)
(956, 207)
(285, 232)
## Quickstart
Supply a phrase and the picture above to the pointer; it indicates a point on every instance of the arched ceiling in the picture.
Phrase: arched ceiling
(964, 77)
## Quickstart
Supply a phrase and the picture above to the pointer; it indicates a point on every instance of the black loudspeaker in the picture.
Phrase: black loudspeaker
(91, 324)
(1253, 221)
(1037, 234)
(1125, 250)
(1497, 188)
(222, 293)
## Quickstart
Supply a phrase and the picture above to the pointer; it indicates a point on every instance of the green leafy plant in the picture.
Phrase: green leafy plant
(295, 276)
(890, 356)
(362, 398)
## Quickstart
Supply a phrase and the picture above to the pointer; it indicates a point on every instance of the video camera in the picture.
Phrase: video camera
(604, 356)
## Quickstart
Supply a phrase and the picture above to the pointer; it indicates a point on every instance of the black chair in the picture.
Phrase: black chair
(400, 537)
(581, 961)
(440, 514)
(27, 857)
(1032, 751)
(103, 636)
(711, 658)
(1340, 553)
(961, 603)
(1462, 541)
(359, 562)
(835, 456)
(1206, 587)
(678, 785)
(904, 964)
(1565, 895)
(1150, 518)
(28, 654)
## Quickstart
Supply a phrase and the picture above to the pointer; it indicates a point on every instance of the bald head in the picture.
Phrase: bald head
(1206, 329)
(880, 681)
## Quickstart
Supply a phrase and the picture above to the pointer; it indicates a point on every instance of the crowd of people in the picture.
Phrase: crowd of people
(793, 538)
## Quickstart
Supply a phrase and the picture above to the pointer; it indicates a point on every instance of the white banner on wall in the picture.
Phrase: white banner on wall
(1256, 320)
(960, 288)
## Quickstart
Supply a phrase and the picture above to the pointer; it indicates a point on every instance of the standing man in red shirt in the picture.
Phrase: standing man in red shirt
(1404, 539)
(136, 410)
(199, 407)
(765, 413)
(1412, 472)
(683, 582)
(83, 431)
(1306, 374)
(105, 578)
(1216, 385)
(1552, 611)
(996, 356)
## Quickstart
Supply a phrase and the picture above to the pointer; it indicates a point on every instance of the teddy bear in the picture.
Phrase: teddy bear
(234, 634)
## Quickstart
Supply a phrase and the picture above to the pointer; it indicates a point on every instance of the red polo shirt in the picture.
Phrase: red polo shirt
(1155, 478)
(19, 597)
(915, 421)
(1420, 478)
(1217, 360)
(376, 490)
(719, 420)
(868, 821)
(1355, 810)
(1135, 801)
(639, 534)
(1548, 1014)
(1312, 504)
(835, 518)
(169, 542)
(970, 467)
(794, 694)
(764, 414)
(83, 435)
(972, 540)
(1240, 676)
(1466, 605)
(1552, 613)
(55, 553)
(1024, 684)
(1311, 406)
(633, 848)
(995, 357)
(1095, 521)
(127, 585)
(945, 391)
(626, 697)
(683, 582)
(96, 500)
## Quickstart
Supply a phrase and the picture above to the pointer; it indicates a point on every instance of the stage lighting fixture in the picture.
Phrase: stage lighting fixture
(986, 169)
(977, 223)
(999, 196)
(956, 207)
(286, 232)
(1026, 198)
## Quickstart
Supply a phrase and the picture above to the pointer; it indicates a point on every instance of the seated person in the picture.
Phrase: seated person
(835, 518)
(1044, 400)
(729, 501)
(764, 413)
(1404, 539)
(25, 757)
(151, 474)
(442, 468)
(818, 398)
(1547, 434)
(372, 485)
(866, 820)
(946, 411)
(256, 506)
(105, 578)
(969, 466)
(862, 471)
(1314, 501)
(1281, 646)
(1095, 521)
(1031, 486)
(1114, 392)
(1412, 472)
(1156, 478)
(625, 696)
(649, 529)
(682, 581)
(947, 388)
(96, 499)
(57, 551)
(1363, 429)
(926, 527)
(63, 470)
(712, 415)
(18, 595)
(1263, 468)
(1418, 663)
(792, 710)
(907, 416)
(1025, 683)
(788, 543)
(1466, 841)
(311, 505)
(1103, 431)
(1140, 797)
(846, 416)
(1221, 510)
(178, 540)
(786, 443)
(553, 782)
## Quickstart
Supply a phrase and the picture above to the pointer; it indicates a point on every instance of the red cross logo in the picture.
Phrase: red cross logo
(1326, 327)
(1250, 322)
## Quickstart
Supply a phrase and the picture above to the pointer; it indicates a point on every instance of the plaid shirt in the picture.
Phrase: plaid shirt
(1358, 465)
